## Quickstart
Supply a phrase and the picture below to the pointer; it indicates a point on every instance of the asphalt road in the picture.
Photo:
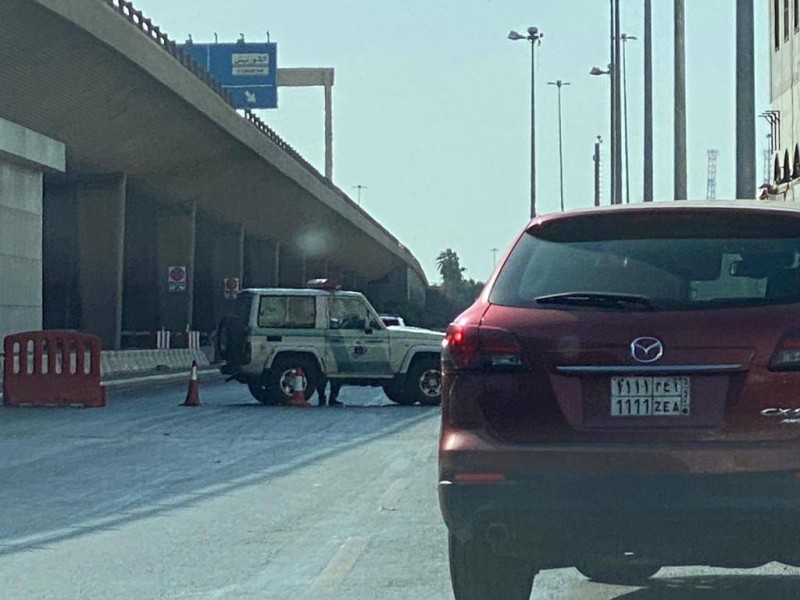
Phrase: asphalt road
(232, 500)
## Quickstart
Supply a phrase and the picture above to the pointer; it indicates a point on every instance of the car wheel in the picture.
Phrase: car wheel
(424, 383)
(478, 573)
(395, 393)
(617, 570)
(258, 389)
(280, 379)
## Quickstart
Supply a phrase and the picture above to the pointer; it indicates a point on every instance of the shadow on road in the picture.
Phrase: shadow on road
(66, 475)
(719, 587)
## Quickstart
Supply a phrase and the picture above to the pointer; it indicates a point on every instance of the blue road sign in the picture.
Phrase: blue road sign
(248, 71)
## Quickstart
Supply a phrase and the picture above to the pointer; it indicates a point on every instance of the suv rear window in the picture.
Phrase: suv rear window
(287, 312)
(675, 262)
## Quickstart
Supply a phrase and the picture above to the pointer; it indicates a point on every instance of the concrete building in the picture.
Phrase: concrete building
(783, 121)
(168, 195)
(24, 158)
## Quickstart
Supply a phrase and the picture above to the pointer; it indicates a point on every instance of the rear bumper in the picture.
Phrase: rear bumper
(561, 503)
(675, 520)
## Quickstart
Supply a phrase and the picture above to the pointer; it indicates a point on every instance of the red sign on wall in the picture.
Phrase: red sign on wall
(177, 279)
(231, 288)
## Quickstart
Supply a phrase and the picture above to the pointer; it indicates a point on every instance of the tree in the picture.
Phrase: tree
(450, 269)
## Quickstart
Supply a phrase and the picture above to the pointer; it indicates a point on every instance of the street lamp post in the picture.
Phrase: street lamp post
(615, 183)
(359, 187)
(535, 39)
(559, 84)
(625, 39)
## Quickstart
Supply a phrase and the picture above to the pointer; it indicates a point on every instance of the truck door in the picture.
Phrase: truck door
(358, 341)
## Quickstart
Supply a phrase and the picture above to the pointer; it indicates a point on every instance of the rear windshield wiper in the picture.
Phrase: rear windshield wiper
(598, 299)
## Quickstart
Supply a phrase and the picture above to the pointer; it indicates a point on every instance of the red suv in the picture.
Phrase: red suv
(625, 394)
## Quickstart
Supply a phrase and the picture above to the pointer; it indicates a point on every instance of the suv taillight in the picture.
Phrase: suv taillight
(472, 347)
(787, 354)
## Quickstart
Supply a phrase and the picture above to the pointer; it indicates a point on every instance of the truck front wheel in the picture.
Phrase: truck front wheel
(424, 382)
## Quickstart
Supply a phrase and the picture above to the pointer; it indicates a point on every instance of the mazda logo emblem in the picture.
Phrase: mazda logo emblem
(646, 349)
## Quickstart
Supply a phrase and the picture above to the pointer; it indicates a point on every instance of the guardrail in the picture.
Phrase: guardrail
(137, 18)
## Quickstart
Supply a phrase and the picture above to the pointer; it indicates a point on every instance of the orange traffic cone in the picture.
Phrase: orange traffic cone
(298, 395)
(193, 393)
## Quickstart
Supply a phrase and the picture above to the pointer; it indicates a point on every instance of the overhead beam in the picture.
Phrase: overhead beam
(315, 77)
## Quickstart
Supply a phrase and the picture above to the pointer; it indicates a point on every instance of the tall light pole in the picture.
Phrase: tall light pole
(597, 171)
(680, 101)
(560, 84)
(535, 39)
(625, 38)
(745, 100)
(615, 78)
(647, 191)
(359, 187)
(596, 71)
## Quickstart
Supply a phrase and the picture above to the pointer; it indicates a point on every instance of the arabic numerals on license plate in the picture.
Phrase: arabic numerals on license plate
(650, 396)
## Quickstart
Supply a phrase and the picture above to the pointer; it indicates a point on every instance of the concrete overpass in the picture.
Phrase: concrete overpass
(162, 171)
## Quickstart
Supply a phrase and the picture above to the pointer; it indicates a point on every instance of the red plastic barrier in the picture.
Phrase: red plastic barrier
(52, 368)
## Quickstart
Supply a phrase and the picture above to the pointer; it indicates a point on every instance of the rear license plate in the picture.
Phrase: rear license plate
(650, 396)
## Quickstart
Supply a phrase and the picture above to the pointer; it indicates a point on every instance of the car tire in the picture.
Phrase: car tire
(477, 573)
(277, 380)
(423, 383)
(258, 390)
(396, 394)
(617, 570)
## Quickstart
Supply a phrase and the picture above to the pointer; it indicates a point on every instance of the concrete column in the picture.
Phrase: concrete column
(24, 156)
(260, 263)
(292, 268)
(101, 244)
(391, 289)
(336, 273)
(176, 233)
(61, 306)
(316, 269)
(227, 262)
(361, 285)
(348, 280)
(140, 292)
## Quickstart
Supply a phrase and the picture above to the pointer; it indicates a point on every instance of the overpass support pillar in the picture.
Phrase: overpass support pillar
(316, 269)
(292, 268)
(227, 263)
(176, 233)
(24, 156)
(260, 262)
(361, 284)
(336, 273)
(101, 244)
(391, 291)
(348, 280)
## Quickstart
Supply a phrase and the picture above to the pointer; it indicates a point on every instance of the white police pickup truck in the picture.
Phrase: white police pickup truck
(329, 334)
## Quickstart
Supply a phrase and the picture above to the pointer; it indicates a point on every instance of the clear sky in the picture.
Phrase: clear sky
(432, 102)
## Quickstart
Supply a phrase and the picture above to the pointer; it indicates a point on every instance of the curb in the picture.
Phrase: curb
(134, 383)
(148, 381)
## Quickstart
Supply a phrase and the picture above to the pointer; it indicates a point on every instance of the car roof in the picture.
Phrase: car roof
(775, 206)
(299, 292)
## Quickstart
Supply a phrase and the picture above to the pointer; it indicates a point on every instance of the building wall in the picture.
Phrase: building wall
(784, 49)
(20, 249)
(24, 155)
